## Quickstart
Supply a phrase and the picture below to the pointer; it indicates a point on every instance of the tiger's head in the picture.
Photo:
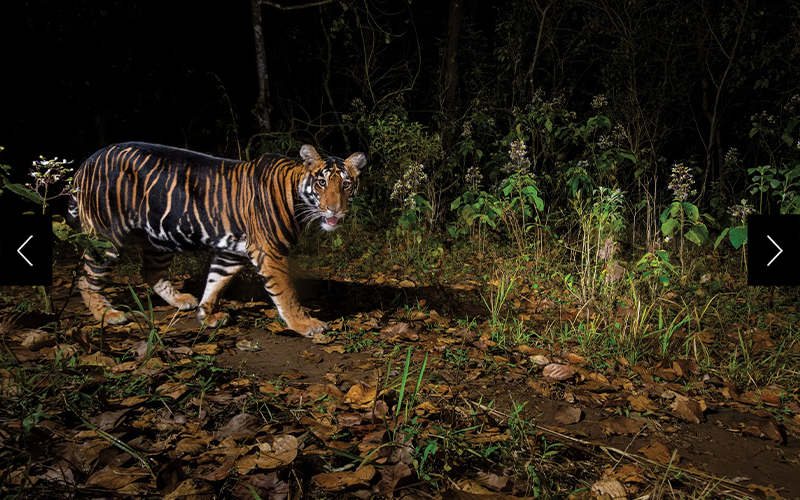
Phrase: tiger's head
(328, 185)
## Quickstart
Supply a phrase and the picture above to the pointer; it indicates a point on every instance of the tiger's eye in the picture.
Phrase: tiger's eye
(346, 184)
(321, 183)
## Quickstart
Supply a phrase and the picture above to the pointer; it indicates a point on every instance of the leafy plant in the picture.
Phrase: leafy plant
(682, 219)
(505, 281)
(601, 220)
(655, 265)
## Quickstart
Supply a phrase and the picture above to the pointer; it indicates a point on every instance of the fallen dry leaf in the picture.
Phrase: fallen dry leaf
(540, 360)
(626, 473)
(620, 425)
(575, 359)
(658, 452)
(691, 411)
(106, 421)
(114, 478)
(35, 339)
(322, 339)
(208, 349)
(337, 481)
(361, 396)
(172, 390)
(192, 489)
(96, 359)
(241, 426)
(391, 477)
(281, 451)
(559, 372)
(191, 446)
(642, 404)
(610, 487)
(568, 415)
(265, 485)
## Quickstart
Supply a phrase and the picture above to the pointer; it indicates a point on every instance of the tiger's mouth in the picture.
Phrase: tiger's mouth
(331, 221)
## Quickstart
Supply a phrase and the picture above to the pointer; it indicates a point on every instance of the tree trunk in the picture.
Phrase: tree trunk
(451, 57)
(262, 108)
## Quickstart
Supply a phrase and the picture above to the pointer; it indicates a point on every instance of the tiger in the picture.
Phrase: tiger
(170, 200)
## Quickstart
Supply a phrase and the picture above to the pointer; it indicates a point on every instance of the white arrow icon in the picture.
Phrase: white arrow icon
(19, 250)
(780, 250)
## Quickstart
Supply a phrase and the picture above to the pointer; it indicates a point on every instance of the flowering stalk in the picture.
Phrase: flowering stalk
(405, 189)
(46, 173)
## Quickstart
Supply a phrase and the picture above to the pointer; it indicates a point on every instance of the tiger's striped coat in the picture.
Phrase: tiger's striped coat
(170, 200)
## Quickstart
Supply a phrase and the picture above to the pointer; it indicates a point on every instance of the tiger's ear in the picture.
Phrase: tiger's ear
(309, 155)
(356, 162)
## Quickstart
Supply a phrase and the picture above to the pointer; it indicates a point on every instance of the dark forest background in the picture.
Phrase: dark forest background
(446, 84)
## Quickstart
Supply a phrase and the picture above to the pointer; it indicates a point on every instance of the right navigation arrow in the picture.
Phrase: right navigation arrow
(780, 250)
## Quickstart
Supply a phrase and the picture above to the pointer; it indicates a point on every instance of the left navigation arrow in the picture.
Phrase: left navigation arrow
(19, 250)
(26, 250)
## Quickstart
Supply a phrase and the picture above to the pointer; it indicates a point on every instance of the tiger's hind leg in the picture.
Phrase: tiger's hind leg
(155, 270)
(91, 286)
(223, 268)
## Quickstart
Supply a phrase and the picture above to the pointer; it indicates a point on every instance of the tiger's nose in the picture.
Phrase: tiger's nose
(334, 208)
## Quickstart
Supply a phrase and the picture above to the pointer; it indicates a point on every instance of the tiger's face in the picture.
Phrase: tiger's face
(327, 186)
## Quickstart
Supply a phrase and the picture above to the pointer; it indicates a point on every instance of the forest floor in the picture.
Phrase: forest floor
(418, 391)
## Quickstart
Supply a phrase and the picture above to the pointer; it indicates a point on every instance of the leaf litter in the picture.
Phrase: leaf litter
(276, 415)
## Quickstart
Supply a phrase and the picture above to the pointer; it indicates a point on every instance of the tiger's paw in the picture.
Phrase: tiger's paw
(185, 301)
(114, 317)
(219, 318)
(309, 326)
(181, 301)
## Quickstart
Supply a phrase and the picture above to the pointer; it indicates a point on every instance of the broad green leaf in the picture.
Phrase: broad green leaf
(738, 236)
(697, 234)
(692, 212)
(721, 237)
(539, 204)
(23, 191)
(669, 227)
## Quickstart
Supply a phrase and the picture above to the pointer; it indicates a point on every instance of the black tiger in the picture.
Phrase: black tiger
(171, 200)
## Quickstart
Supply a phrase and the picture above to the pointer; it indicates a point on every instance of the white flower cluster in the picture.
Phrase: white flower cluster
(520, 164)
(762, 117)
(555, 103)
(46, 172)
(741, 211)
(619, 133)
(466, 130)
(405, 189)
(682, 182)
(732, 157)
(605, 142)
(538, 97)
(793, 104)
(599, 101)
(358, 105)
(473, 178)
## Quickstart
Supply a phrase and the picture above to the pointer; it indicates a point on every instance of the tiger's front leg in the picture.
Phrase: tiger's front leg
(275, 275)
